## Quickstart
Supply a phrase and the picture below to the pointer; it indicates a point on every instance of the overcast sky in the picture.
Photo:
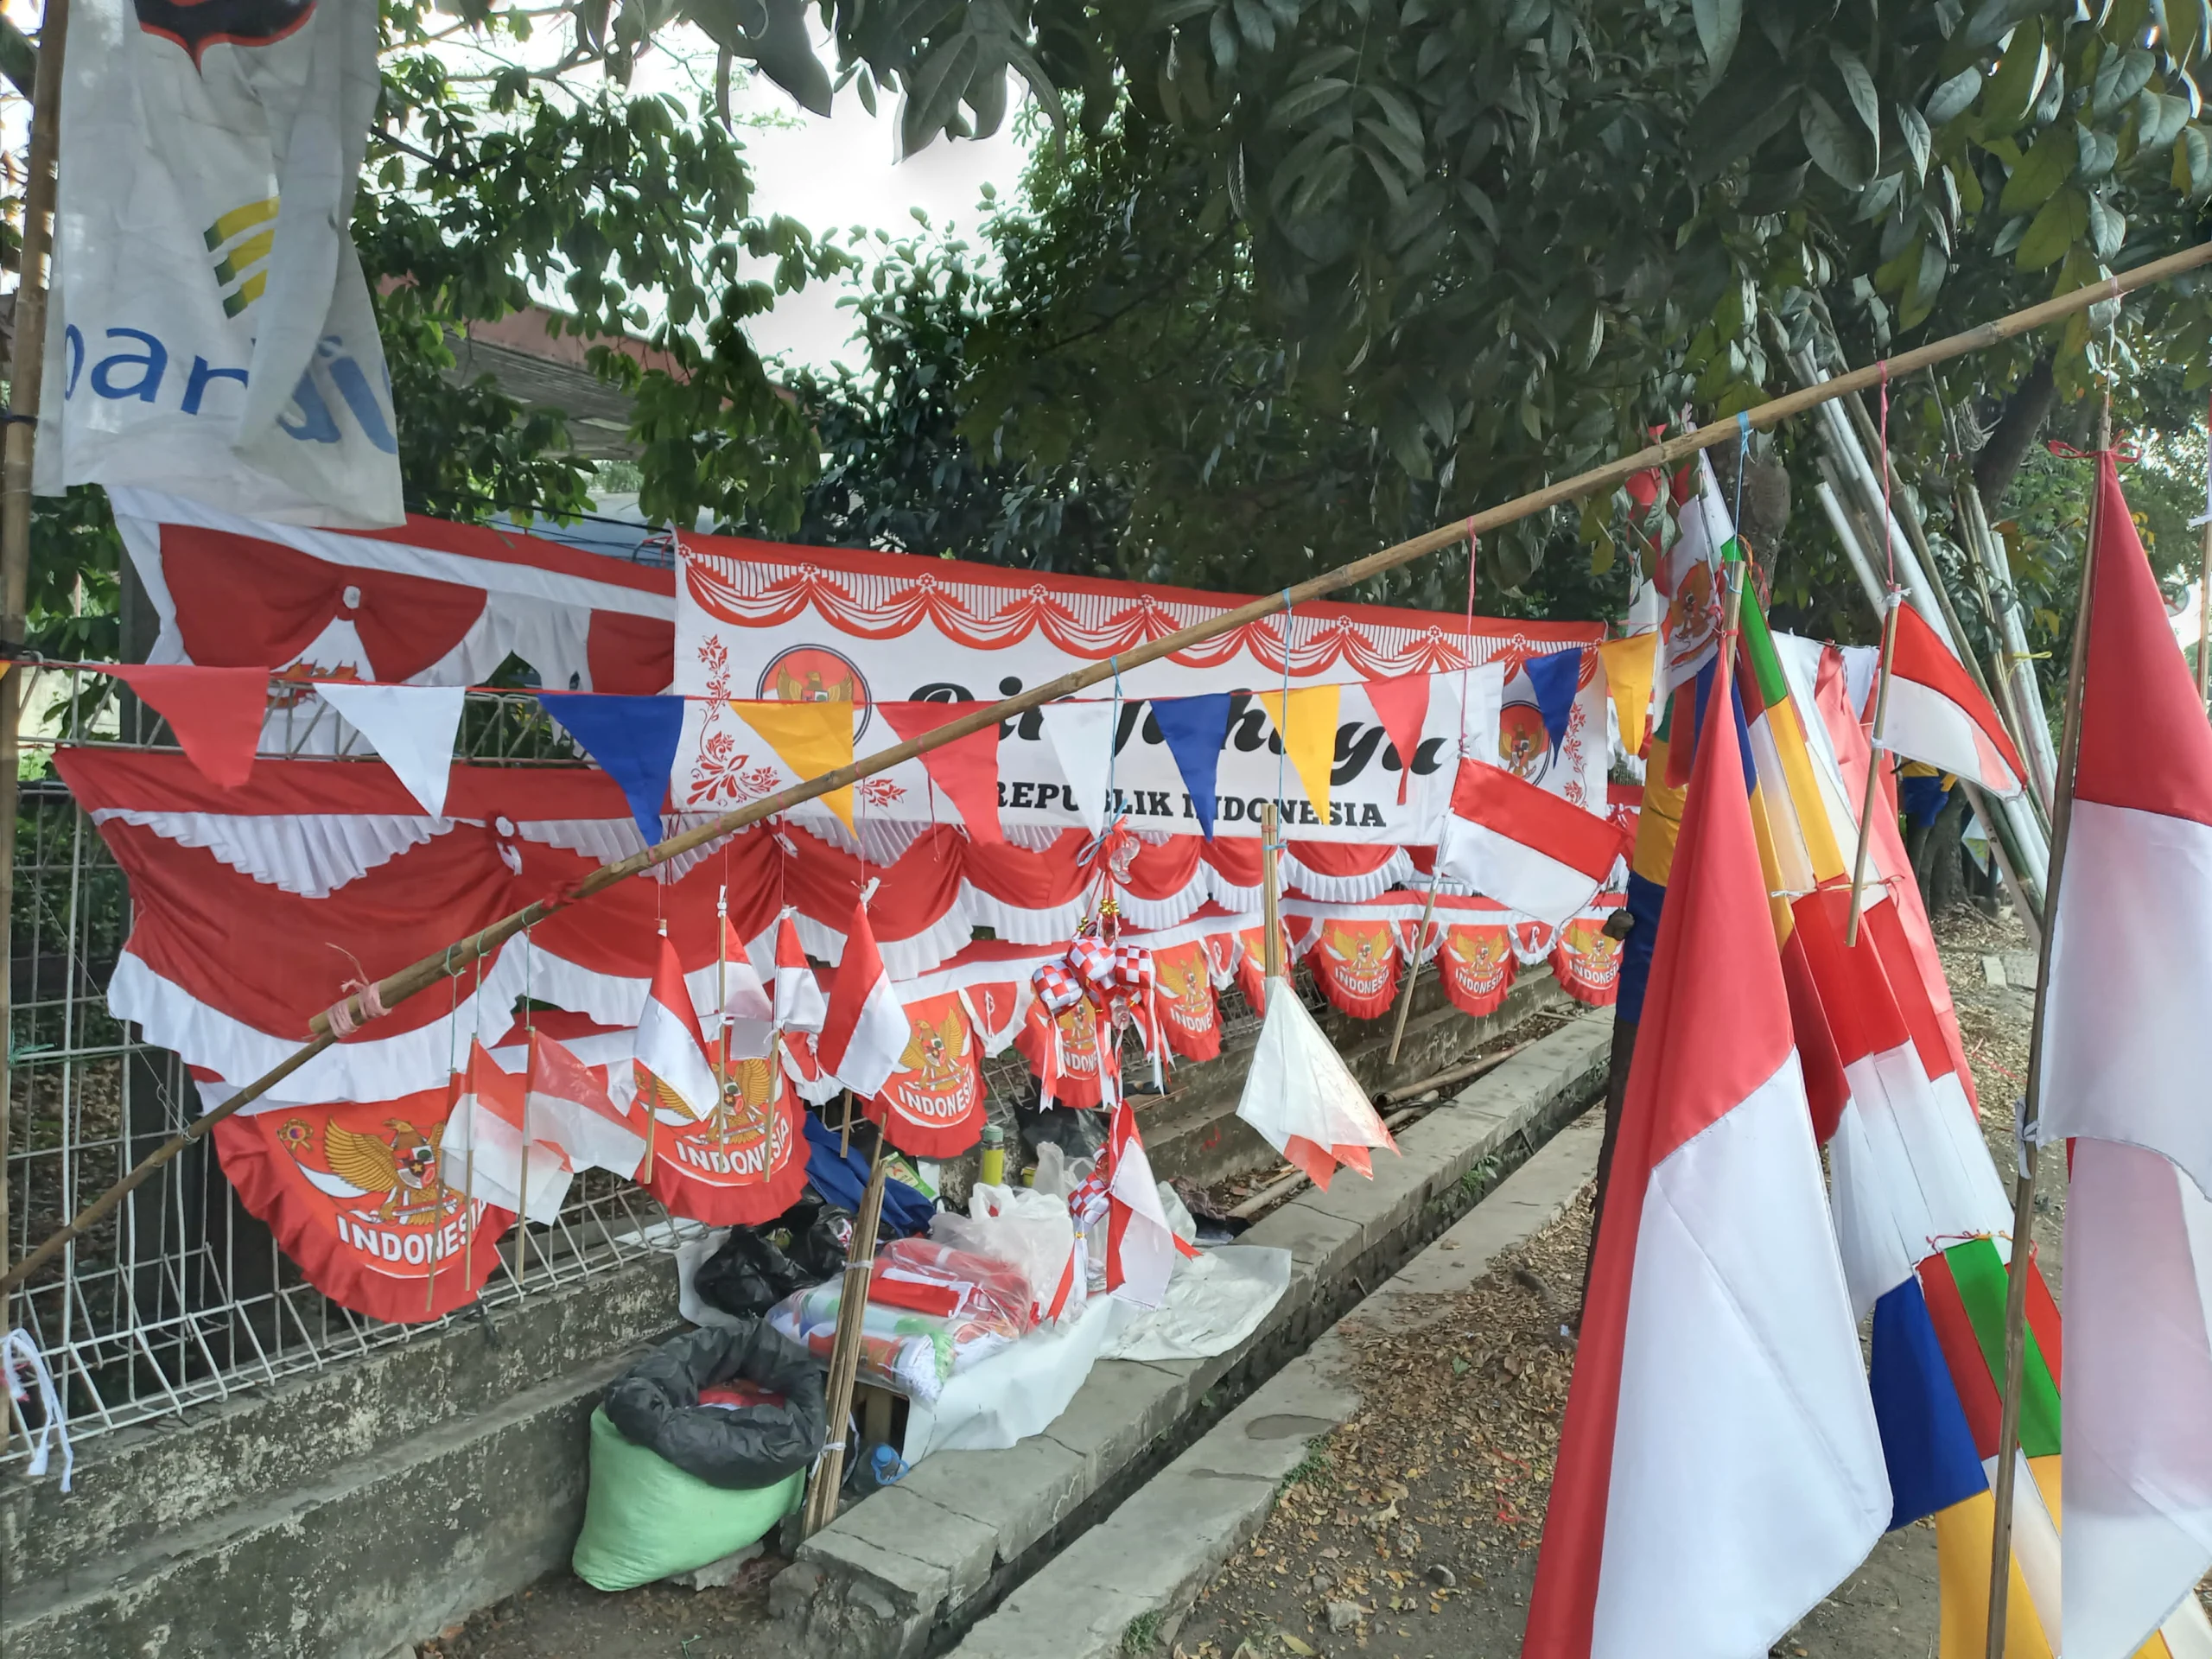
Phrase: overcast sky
(831, 174)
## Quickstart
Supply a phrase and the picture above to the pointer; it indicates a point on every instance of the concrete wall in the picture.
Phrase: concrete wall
(337, 1514)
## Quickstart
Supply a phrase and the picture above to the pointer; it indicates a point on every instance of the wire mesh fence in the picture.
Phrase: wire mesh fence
(181, 1297)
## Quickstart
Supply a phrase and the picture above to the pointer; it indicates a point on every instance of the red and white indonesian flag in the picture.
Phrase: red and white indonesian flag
(798, 1002)
(569, 1105)
(1937, 713)
(866, 1030)
(674, 1074)
(748, 1012)
(1302, 1099)
(1524, 847)
(1140, 1245)
(484, 1141)
(2130, 1003)
(1721, 1470)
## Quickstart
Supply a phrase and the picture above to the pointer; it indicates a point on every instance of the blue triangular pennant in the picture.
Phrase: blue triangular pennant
(1553, 678)
(633, 739)
(1195, 728)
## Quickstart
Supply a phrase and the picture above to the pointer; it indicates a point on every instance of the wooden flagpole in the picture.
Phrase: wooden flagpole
(388, 993)
(1874, 767)
(26, 377)
(1413, 966)
(2030, 1109)
(845, 1348)
(1270, 903)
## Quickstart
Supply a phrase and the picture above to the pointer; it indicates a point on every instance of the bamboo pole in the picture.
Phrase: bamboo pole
(1270, 903)
(26, 379)
(1873, 767)
(396, 988)
(1413, 966)
(845, 1350)
(2024, 1184)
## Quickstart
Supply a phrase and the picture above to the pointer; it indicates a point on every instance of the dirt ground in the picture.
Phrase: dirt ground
(1412, 1532)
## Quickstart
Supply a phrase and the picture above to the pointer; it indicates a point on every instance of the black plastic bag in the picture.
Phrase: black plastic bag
(656, 1404)
(1078, 1132)
(749, 1275)
(821, 1235)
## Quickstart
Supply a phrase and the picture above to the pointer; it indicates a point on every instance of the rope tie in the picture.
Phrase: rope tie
(342, 1022)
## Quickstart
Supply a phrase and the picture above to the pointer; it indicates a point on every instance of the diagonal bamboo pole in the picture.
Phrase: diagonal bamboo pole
(398, 987)
(2022, 1262)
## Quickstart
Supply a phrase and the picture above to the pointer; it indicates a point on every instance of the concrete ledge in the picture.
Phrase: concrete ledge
(1121, 1587)
(909, 1568)
(338, 1514)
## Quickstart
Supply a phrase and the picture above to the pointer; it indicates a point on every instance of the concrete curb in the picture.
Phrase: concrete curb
(909, 1568)
(1123, 1587)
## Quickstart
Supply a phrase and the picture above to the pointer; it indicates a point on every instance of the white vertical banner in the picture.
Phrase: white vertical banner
(209, 331)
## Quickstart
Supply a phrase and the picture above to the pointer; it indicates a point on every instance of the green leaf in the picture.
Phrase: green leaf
(1916, 139)
(2108, 227)
(2012, 90)
(1407, 154)
(2061, 223)
(2048, 164)
(2189, 27)
(1954, 97)
(2161, 118)
(1309, 100)
(1257, 23)
(1833, 146)
(1221, 32)
(2193, 153)
(1859, 86)
(1718, 24)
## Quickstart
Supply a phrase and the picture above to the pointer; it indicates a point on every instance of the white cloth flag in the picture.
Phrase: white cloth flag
(2130, 1001)
(1140, 1245)
(568, 1105)
(799, 1004)
(209, 331)
(1300, 1096)
(411, 727)
(748, 1012)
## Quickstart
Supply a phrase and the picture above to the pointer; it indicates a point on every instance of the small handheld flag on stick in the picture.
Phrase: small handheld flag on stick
(1874, 766)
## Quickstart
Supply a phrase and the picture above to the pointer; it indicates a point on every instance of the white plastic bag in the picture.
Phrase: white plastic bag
(1029, 1230)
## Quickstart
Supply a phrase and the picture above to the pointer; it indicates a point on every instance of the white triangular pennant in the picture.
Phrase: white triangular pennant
(412, 727)
(1082, 736)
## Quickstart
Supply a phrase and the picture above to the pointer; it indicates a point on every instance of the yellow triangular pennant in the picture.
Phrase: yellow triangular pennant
(1308, 726)
(810, 739)
(1628, 677)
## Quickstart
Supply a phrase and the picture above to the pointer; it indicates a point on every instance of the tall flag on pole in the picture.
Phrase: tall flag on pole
(1525, 847)
(1721, 1470)
(1938, 715)
(2124, 1078)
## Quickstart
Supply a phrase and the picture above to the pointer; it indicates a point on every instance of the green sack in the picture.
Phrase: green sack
(645, 1518)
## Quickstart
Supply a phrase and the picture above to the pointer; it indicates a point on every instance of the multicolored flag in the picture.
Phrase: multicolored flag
(1721, 1470)
(2129, 1002)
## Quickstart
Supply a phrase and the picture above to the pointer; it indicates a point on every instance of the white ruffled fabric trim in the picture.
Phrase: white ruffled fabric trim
(1053, 925)
(372, 1068)
(1346, 889)
(312, 853)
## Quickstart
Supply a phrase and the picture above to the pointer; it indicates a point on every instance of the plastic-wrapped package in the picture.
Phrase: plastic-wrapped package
(1029, 1230)
(969, 1307)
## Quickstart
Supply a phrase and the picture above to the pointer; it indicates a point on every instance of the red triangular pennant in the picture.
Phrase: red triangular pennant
(216, 713)
(966, 769)
(1402, 704)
